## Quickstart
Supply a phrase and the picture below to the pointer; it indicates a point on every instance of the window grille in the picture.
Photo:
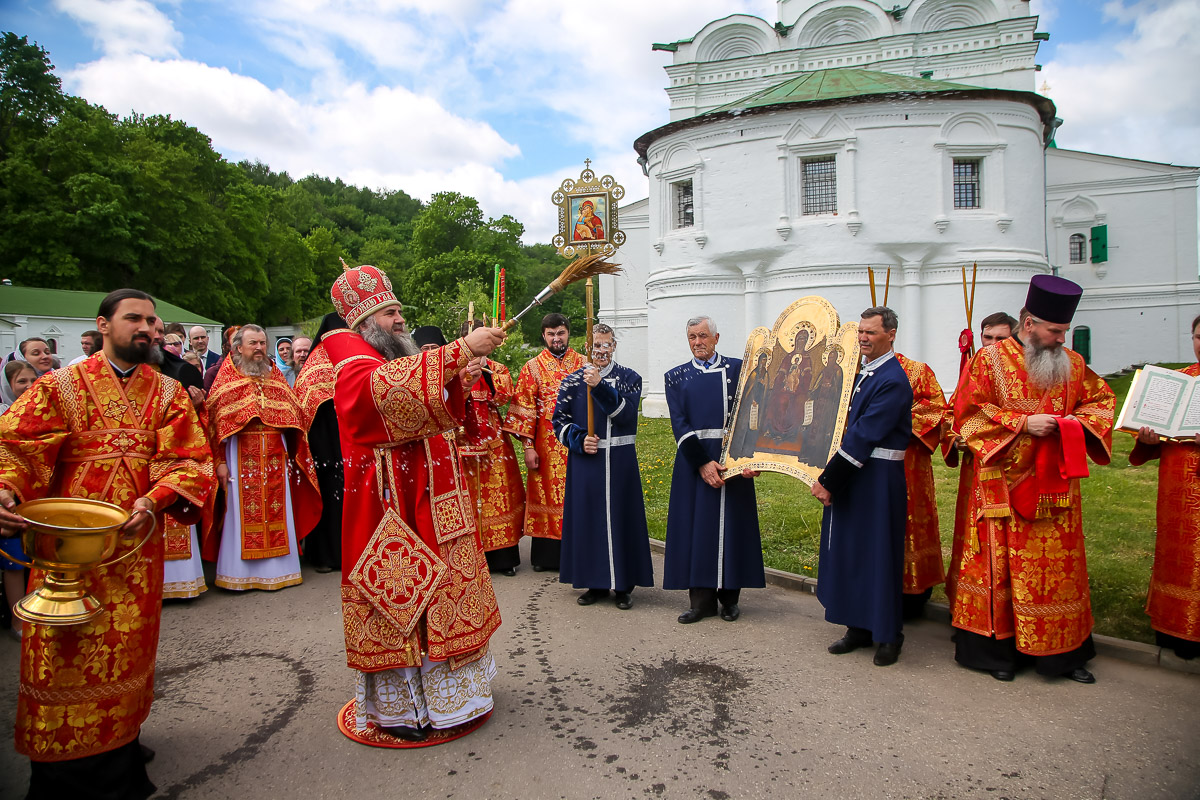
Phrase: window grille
(966, 183)
(685, 209)
(1078, 244)
(819, 177)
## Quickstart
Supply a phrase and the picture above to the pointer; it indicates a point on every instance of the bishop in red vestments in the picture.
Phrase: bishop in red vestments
(417, 600)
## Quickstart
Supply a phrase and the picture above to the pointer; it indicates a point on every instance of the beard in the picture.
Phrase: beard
(1047, 367)
(557, 349)
(137, 351)
(390, 345)
(253, 369)
(156, 356)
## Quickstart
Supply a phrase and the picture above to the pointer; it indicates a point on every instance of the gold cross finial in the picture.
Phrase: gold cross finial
(345, 266)
(1045, 88)
(587, 162)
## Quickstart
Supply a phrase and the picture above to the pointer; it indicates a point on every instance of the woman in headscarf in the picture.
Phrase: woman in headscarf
(283, 358)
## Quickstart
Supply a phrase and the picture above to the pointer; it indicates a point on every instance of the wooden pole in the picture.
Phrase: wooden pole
(887, 287)
(588, 291)
(871, 277)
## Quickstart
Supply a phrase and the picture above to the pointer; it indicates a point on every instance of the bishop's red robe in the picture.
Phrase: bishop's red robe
(81, 431)
(1029, 577)
(1173, 602)
(923, 565)
(530, 416)
(414, 575)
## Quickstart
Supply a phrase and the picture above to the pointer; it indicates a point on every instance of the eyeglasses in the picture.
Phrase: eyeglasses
(604, 347)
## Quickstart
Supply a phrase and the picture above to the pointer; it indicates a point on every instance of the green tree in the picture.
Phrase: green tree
(30, 93)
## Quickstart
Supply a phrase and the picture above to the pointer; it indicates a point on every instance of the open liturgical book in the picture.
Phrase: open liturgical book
(1166, 401)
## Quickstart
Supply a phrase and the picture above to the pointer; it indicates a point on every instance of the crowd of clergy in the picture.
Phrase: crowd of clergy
(394, 458)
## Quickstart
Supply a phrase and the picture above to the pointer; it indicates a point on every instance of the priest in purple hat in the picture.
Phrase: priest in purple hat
(1032, 413)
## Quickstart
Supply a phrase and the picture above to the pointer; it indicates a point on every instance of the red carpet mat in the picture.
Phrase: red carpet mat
(376, 738)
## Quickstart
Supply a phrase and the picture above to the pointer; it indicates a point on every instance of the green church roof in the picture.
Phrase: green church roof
(31, 301)
(833, 84)
(845, 85)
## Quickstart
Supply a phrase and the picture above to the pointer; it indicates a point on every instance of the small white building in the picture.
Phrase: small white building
(850, 136)
(61, 316)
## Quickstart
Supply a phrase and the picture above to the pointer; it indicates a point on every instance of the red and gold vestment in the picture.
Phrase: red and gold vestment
(414, 575)
(314, 384)
(258, 410)
(1173, 602)
(492, 472)
(923, 566)
(529, 417)
(81, 431)
(1028, 577)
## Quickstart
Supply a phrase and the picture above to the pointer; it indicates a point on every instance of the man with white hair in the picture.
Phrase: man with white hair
(1031, 413)
(713, 544)
(198, 338)
(260, 443)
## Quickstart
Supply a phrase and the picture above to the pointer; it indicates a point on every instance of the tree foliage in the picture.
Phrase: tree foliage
(92, 201)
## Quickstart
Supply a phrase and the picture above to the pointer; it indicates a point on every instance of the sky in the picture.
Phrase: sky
(503, 99)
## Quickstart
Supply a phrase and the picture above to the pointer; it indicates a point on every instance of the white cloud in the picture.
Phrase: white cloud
(1139, 98)
(121, 27)
(1045, 10)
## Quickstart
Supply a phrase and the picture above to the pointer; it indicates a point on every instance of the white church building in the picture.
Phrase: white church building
(855, 134)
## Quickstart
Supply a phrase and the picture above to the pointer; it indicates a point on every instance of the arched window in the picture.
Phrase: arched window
(1078, 247)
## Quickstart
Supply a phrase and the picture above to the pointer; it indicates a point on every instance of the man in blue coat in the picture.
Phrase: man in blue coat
(713, 544)
(605, 544)
(860, 579)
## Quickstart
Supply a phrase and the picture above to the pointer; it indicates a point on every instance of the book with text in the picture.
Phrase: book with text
(1166, 401)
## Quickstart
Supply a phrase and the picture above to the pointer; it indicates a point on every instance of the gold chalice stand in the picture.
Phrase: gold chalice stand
(68, 537)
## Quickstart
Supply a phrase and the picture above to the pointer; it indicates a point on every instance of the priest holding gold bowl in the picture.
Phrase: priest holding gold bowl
(110, 429)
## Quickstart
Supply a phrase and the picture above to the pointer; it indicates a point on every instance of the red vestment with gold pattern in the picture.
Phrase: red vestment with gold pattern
(81, 431)
(530, 417)
(1028, 578)
(492, 473)
(258, 410)
(414, 575)
(923, 566)
(1173, 602)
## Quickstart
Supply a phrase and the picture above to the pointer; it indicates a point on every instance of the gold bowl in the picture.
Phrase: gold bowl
(66, 538)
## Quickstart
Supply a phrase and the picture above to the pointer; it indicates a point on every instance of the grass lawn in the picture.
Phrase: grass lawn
(1118, 521)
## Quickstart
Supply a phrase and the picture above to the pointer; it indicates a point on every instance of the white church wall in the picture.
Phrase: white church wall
(1139, 302)
(623, 297)
(753, 251)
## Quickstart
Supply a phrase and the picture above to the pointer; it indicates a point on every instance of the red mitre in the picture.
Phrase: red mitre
(360, 292)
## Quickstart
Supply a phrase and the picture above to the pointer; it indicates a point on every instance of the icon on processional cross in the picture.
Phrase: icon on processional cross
(588, 221)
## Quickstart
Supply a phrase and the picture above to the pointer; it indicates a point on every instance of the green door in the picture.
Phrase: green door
(1081, 342)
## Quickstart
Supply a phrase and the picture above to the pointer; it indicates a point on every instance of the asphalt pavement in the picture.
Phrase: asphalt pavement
(597, 702)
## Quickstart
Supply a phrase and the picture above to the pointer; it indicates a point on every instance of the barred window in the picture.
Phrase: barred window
(820, 184)
(966, 183)
(685, 209)
(1078, 244)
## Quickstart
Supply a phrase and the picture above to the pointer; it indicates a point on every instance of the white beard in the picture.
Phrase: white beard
(1047, 367)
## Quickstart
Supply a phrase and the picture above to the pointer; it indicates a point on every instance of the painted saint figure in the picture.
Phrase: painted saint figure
(588, 226)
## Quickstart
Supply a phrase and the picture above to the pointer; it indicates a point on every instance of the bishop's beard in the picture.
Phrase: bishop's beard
(1047, 367)
(253, 369)
(390, 345)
